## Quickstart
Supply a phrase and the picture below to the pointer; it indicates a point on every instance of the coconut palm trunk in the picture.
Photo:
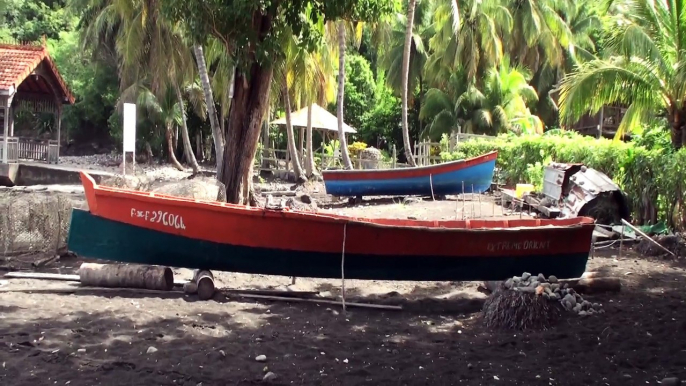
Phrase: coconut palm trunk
(217, 134)
(405, 74)
(310, 168)
(295, 157)
(187, 146)
(347, 164)
(169, 133)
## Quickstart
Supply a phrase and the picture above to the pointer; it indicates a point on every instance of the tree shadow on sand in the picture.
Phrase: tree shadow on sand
(97, 337)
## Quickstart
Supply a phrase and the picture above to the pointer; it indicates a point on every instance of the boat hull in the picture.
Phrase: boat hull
(464, 176)
(96, 237)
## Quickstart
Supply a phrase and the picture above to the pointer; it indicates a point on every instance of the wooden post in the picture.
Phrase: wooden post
(395, 157)
(59, 136)
(127, 276)
(345, 231)
(5, 133)
(11, 119)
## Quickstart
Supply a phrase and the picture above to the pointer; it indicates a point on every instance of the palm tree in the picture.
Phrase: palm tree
(405, 73)
(315, 84)
(471, 40)
(340, 26)
(144, 40)
(163, 110)
(499, 106)
(217, 134)
(392, 59)
(644, 70)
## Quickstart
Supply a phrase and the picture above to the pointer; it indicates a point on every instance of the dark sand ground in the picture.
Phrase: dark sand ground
(128, 338)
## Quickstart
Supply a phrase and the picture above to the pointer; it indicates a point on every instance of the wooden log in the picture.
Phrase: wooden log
(322, 301)
(94, 291)
(594, 285)
(294, 294)
(127, 276)
(205, 284)
(593, 274)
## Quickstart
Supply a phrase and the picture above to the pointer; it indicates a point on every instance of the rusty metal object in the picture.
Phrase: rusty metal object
(593, 194)
(556, 179)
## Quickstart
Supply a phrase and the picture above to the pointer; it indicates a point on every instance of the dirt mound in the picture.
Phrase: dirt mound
(674, 243)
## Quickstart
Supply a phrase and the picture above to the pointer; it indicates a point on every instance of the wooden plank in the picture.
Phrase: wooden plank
(42, 276)
(323, 301)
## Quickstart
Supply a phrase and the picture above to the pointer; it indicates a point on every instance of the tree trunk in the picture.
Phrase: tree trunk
(217, 134)
(187, 146)
(148, 152)
(405, 74)
(310, 168)
(290, 135)
(247, 110)
(170, 148)
(341, 94)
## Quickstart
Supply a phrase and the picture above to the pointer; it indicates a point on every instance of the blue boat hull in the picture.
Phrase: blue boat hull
(476, 178)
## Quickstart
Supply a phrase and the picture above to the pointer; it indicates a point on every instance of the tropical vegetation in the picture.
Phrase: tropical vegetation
(214, 73)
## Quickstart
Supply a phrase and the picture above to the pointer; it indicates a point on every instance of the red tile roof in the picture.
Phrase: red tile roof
(17, 62)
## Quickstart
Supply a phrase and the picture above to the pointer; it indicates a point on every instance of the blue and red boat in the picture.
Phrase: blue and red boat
(473, 175)
(149, 228)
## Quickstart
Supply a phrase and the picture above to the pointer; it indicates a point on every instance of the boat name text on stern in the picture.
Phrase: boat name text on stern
(526, 245)
(166, 218)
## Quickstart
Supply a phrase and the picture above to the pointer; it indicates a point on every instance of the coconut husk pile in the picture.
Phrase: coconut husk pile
(533, 302)
(520, 309)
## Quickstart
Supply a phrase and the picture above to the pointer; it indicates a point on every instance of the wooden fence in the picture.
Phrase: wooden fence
(29, 149)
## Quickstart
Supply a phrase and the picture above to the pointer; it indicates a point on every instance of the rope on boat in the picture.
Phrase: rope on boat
(431, 184)
(345, 231)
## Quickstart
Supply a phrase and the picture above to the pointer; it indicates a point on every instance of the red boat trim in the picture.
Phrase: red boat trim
(302, 231)
(421, 171)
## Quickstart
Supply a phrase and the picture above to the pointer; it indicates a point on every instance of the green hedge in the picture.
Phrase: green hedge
(652, 177)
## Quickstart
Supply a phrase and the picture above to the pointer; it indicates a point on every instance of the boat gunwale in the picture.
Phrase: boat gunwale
(221, 207)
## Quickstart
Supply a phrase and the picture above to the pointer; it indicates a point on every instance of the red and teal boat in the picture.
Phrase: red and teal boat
(473, 175)
(140, 227)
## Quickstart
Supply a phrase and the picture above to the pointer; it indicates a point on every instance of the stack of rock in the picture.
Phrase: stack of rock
(550, 288)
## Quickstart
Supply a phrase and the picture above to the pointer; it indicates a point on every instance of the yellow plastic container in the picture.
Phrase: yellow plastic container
(523, 188)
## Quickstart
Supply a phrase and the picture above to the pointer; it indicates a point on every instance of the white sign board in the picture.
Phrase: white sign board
(129, 127)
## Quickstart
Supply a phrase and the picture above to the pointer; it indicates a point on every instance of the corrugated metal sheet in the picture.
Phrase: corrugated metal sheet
(588, 185)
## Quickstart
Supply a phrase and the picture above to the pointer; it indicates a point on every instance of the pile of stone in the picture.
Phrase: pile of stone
(554, 290)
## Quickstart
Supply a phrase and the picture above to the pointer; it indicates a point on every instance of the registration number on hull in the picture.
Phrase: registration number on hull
(160, 217)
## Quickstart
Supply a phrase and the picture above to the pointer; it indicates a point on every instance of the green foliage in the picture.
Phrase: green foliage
(29, 20)
(94, 84)
(255, 28)
(360, 90)
(647, 175)
(383, 119)
(643, 68)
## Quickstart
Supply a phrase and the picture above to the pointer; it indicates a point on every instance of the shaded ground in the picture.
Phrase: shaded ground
(438, 339)
(103, 338)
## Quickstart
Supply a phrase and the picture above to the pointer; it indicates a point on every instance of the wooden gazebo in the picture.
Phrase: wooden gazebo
(29, 80)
